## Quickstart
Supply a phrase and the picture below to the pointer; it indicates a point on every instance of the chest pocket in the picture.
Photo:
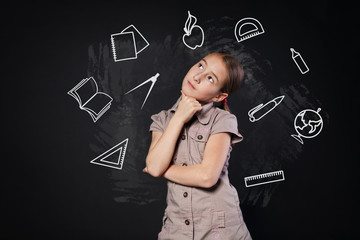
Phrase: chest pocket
(197, 141)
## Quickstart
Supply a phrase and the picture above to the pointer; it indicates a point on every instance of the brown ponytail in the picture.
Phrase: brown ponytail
(235, 76)
(226, 107)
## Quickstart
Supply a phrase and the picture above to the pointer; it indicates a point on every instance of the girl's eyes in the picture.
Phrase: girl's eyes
(210, 78)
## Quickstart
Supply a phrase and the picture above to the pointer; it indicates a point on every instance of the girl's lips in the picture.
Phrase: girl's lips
(191, 85)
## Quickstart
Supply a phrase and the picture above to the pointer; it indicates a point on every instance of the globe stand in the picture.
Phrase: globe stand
(297, 137)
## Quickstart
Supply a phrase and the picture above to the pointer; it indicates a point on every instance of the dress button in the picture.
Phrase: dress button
(185, 194)
(200, 137)
(184, 164)
(183, 137)
(187, 222)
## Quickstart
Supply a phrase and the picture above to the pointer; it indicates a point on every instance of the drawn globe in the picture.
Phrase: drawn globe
(308, 123)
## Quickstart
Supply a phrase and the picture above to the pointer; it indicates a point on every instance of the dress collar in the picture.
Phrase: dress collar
(203, 116)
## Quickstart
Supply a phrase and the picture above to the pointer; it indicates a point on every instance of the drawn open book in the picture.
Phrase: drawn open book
(90, 99)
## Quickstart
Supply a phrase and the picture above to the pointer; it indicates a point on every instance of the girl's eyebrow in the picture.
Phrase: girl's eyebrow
(211, 71)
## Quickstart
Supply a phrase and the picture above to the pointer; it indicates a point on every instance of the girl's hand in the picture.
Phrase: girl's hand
(187, 107)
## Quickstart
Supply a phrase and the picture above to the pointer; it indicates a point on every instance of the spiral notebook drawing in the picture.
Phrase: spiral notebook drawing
(264, 178)
(90, 99)
(114, 157)
(127, 44)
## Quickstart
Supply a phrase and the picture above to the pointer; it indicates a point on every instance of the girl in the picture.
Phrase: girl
(190, 147)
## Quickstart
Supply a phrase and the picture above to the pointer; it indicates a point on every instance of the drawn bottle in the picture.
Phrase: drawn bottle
(299, 61)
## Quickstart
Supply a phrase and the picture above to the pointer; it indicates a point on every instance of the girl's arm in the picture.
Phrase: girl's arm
(162, 145)
(207, 173)
(162, 148)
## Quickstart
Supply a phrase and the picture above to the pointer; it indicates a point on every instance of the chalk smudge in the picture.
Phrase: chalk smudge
(266, 146)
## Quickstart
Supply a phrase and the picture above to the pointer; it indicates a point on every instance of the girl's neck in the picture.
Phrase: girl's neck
(204, 103)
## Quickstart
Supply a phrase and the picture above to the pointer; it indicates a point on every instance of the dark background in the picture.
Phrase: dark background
(49, 189)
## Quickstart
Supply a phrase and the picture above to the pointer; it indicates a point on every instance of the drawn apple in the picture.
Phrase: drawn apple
(194, 35)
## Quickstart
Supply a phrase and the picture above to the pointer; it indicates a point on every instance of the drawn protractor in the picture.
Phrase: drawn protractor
(254, 26)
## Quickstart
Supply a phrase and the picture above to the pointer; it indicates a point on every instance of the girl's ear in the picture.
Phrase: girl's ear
(220, 97)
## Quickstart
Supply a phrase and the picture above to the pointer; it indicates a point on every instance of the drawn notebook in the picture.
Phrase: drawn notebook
(90, 99)
(127, 44)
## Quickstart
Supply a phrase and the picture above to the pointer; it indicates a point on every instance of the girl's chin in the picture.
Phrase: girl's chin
(185, 91)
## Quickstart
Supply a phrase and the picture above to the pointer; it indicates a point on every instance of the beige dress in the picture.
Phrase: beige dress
(194, 212)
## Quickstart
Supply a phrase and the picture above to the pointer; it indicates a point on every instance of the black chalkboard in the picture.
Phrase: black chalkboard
(53, 189)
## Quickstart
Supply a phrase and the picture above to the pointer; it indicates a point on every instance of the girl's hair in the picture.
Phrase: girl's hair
(235, 75)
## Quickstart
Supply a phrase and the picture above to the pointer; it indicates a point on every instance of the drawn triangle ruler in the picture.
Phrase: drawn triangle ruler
(114, 157)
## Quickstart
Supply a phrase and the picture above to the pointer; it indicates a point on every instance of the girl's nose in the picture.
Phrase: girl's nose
(197, 77)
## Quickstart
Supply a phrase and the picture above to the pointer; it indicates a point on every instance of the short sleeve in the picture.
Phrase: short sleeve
(227, 122)
(158, 123)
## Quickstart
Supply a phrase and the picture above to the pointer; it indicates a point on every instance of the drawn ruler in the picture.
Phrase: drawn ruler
(264, 178)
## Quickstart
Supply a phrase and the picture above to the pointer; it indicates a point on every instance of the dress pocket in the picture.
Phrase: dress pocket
(197, 144)
(164, 220)
(218, 225)
(164, 230)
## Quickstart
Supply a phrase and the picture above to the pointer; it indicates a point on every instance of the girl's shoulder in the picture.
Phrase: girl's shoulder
(224, 121)
(221, 114)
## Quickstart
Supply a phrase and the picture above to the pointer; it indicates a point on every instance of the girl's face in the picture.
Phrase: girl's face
(205, 79)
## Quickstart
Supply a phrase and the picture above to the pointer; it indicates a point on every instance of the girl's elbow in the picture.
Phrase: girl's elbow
(153, 168)
(153, 172)
(156, 174)
(208, 181)
(150, 168)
